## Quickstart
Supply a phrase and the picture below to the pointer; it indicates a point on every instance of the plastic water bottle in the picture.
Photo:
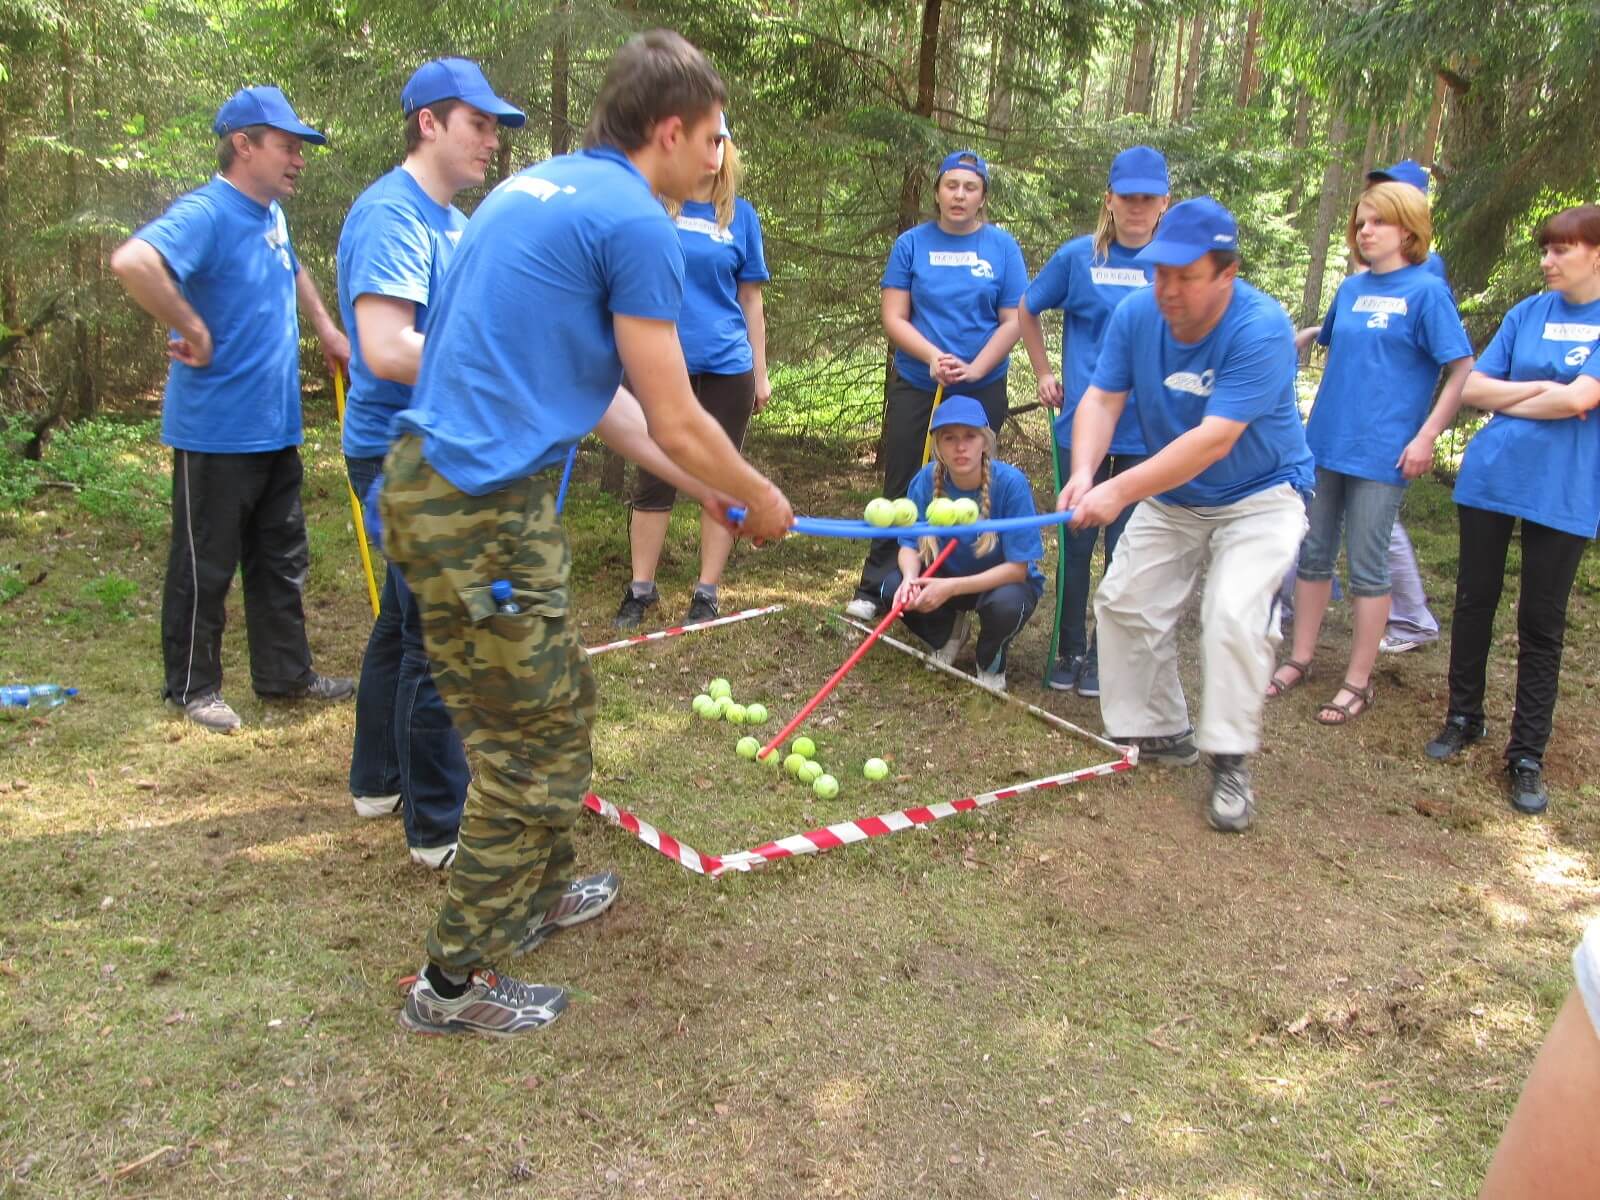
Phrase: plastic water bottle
(35, 698)
(500, 590)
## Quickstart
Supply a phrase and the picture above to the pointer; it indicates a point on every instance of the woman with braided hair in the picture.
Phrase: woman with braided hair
(995, 575)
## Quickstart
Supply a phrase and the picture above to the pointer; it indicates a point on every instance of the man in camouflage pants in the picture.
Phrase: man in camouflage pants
(567, 272)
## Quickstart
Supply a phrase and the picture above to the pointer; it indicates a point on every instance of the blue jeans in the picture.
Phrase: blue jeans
(404, 740)
(1080, 554)
(1366, 508)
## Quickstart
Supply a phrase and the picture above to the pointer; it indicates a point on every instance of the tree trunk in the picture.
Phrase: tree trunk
(1369, 150)
(1177, 72)
(1137, 99)
(82, 382)
(1300, 140)
(560, 69)
(1191, 69)
(1427, 153)
(8, 270)
(1328, 205)
(948, 77)
(1004, 61)
(1247, 64)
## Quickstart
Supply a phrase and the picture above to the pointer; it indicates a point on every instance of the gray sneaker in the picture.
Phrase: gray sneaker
(958, 638)
(1170, 750)
(1232, 806)
(212, 712)
(320, 687)
(585, 899)
(493, 1005)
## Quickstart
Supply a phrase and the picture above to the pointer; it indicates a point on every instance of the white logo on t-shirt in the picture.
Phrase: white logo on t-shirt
(1558, 332)
(961, 258)
(709, 228)
(1380, 304)
(1196, 385)
(1118, 277)
(454, 235)
(539, 189)
(1577, 356)
(278, 238)
(1378, 321)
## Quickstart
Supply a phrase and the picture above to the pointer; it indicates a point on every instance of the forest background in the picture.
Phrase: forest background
(1278, 109)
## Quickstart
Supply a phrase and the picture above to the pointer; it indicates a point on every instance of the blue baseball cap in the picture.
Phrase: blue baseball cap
(262, 106)
(457, 79)
(1190, 229)
(959, 410)
(1139, 171)
(964, 160)
(1407, 170)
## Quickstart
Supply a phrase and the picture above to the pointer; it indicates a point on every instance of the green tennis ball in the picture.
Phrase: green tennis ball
(811, 772)
(710, 712)
(735, 714)
(875, 768)
(755, 714)
(905, 511)
(879, 512)
(825, 786)
(723, 703)
(702, 702)
(771, 759)
(941, 511)
(966, 510)
(804, 747)
(793, 763)
(748, 747)
(719, 688)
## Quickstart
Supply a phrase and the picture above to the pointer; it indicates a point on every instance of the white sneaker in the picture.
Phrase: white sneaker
(210, 711)
(438, 858)
(1393, 643)
(368, 807)
(861, 609)
(993, 679)
(958, 638)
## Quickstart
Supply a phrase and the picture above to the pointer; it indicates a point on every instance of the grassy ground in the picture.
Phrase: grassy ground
(1078, 993)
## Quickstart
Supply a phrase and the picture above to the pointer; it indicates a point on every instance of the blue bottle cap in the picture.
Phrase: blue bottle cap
(500, 589)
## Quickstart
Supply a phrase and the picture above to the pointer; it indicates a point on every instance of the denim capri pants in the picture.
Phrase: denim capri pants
(1366, 509)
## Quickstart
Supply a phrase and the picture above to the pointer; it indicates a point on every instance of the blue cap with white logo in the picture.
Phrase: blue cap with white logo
(1189, 230)
(1407, 170)
(262, 106)
(457, 79)
(1139, 171)
(965, 160)
(959, 410)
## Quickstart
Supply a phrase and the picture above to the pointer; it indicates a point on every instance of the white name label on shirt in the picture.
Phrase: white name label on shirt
(1202, 384)
(1380, 304)
(961, 258)
(709, 228)
(1118, 277)
(1557, 332)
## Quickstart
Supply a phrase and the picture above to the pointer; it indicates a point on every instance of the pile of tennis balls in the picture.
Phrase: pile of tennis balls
(942, 510)
(716, 703)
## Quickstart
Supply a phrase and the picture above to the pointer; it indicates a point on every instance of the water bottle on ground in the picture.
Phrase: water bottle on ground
(18, 698)
(500, 590)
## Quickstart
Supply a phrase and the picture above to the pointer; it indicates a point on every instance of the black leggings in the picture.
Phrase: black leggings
(1550, 561)
(1002, 612)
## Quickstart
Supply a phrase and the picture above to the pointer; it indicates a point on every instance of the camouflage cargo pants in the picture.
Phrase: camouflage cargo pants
(518, 688)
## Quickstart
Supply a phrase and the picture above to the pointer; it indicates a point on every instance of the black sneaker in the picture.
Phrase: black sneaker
(1526, 778)
(321, 687)
(1232, 805)
(701, 608)
(1172, 750)
(632, 609)
(1458, 733)
(1064, 675)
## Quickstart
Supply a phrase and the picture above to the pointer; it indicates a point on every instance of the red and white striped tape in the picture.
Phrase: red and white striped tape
(591, 651)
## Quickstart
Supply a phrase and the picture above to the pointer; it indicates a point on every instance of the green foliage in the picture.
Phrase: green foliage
(114, 594)
(115, 469)
(19, 476)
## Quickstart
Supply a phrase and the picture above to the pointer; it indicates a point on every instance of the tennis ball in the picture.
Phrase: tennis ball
(941, 511)
(879, 512)
(804, 747)
(755, 714)
(905, 511)
(875, 768)
(825, 786)
(718, 688)
(702, 702)
(723, 703)
(966, 510)
(793, 763)
(710, 712)
(735, 714)
(810, 772)
(748, 747)
(770, 759)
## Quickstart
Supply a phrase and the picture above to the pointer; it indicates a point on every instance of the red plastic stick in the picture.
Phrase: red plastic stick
(855, 657)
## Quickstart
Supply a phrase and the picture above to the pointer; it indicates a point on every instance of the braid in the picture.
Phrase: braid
(929, 546)
(987, 541)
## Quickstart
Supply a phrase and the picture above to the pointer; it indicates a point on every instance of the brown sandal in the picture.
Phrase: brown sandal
(1302, 673)
(1347, 711)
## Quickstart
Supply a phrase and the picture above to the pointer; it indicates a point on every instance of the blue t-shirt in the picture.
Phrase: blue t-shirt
(395, 243)
(1544, 471)
(234, 264)
(1086, 291)
(1009, 496)
(1243, 370)
(715, 262)
(958, 285)
(521, 360)
(1389, 334)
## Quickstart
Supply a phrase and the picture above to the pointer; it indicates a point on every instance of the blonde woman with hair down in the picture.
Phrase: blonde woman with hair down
(995, 575)
(1389, 331)
(724, 334)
